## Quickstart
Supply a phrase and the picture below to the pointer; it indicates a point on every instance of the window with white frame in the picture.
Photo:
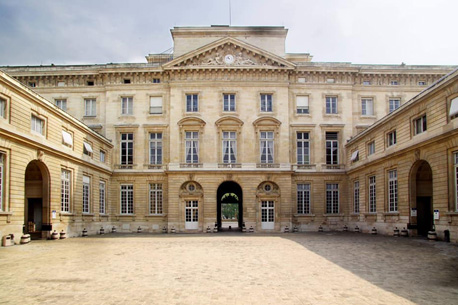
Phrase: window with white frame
(367, 106)
(90, 107)
(393, 190)
(391, 138)
(2, 180)
(332, 198)
(62, 104)
(38, 125)
(229, 147)
(102, 156)
(356, 197)
(455, 159)
(394, 104)
(331, 104)
(228, 102)
(372, 195)
(127, 105)
(266, 102)
(67, 138)
(2, 108)
(267, 146)
(419, 124)
(192, 146)
(127, 149)
(127, 198)
(155, 105)
(86, 194)
(155, 198)
(65, 190)
(303, 198)
(453, 113)
(371, 148)
(102, 197)
(87, 149)
(302, 104)
(155, 148)
(332, 148)
(192, 103)
(303, 147)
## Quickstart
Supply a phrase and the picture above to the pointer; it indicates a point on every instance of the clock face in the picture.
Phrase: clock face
(228, 59)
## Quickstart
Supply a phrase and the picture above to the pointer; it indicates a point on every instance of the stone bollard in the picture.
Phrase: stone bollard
(173, 230)
(251, 229)
(63, 235)
(404, 232)
(345, 228)
(55, 235)
(84, 233)
(286, 229)
(396, 232)
(113, 230)
(356, 229)
(209, 230)
(7, 241)
(432, 235)
(243, 228)
(25, 239)
(320, 229)
(102, 231)
(164, 230)
(295, 229)
(139, 230)
(374, 231)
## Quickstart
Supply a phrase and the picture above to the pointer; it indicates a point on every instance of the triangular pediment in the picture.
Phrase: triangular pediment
(229, 53)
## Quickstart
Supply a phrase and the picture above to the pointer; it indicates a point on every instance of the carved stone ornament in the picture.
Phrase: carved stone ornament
(417, 154)
(40, 155)
(228, 60)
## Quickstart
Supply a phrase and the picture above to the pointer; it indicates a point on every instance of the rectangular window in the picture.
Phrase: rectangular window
(155, 105)
(302, 104)
(366, 82)
(65, 190)
(127, 199)
(156, 80)
(332, 198)
(394, 104)
(155, 198)
(303, 198)
(2, 108)
(372, 195)
(90, 107)
(367, 106)
(394, 83)
(2, 180)
(331, 104)
(90, 83)
(102, 156)
(192, 146)
(391, 138)
(393, 191)
(155, 148)
(356, 197)
(86, 194)
(62, 104)
(303, 147)
(87, 149)
(127, 149)
(192, 103)
(455, 155)
(38, 125)
(229, 147)
(61, 84)
(332, 148)
(102, 198)
(127, 105)
(32, 84)
(419, 125)
(371, 148)
(266, 102)
(228, 102)
(354, 156)
(421, 83)
(453, 112)
(67, 138)
(267, 147)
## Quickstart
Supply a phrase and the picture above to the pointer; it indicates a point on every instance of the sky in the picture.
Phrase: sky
(66, 32)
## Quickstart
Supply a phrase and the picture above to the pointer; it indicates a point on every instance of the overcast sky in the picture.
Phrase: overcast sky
(34, 32)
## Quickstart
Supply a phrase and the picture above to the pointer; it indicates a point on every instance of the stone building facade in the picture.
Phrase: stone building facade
(228, 117)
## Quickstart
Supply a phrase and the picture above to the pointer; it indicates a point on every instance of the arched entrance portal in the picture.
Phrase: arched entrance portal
(230, 205)
(421, 181)
(37, 218)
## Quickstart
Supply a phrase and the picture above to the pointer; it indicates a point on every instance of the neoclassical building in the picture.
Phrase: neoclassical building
(228, 117)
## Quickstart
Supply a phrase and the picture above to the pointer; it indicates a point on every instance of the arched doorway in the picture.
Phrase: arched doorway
(230, 205)
(421, 181)
(37, 218)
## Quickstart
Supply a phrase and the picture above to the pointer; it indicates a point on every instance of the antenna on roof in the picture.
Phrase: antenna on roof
(230, 13)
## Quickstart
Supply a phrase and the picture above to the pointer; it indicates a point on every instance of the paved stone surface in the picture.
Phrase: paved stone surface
(309, 268)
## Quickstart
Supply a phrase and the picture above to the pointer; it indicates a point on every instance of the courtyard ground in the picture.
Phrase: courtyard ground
(230, 268)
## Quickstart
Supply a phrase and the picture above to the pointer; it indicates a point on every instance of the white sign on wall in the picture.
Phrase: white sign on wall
(54, 214)
(413, 212)
(436, 214)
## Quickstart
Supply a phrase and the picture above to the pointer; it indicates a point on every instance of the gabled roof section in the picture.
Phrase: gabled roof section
(229, 53)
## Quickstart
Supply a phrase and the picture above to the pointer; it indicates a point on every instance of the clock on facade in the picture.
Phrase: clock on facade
(229, 59)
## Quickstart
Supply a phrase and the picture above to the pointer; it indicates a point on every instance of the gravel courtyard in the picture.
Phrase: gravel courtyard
(230, 268)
